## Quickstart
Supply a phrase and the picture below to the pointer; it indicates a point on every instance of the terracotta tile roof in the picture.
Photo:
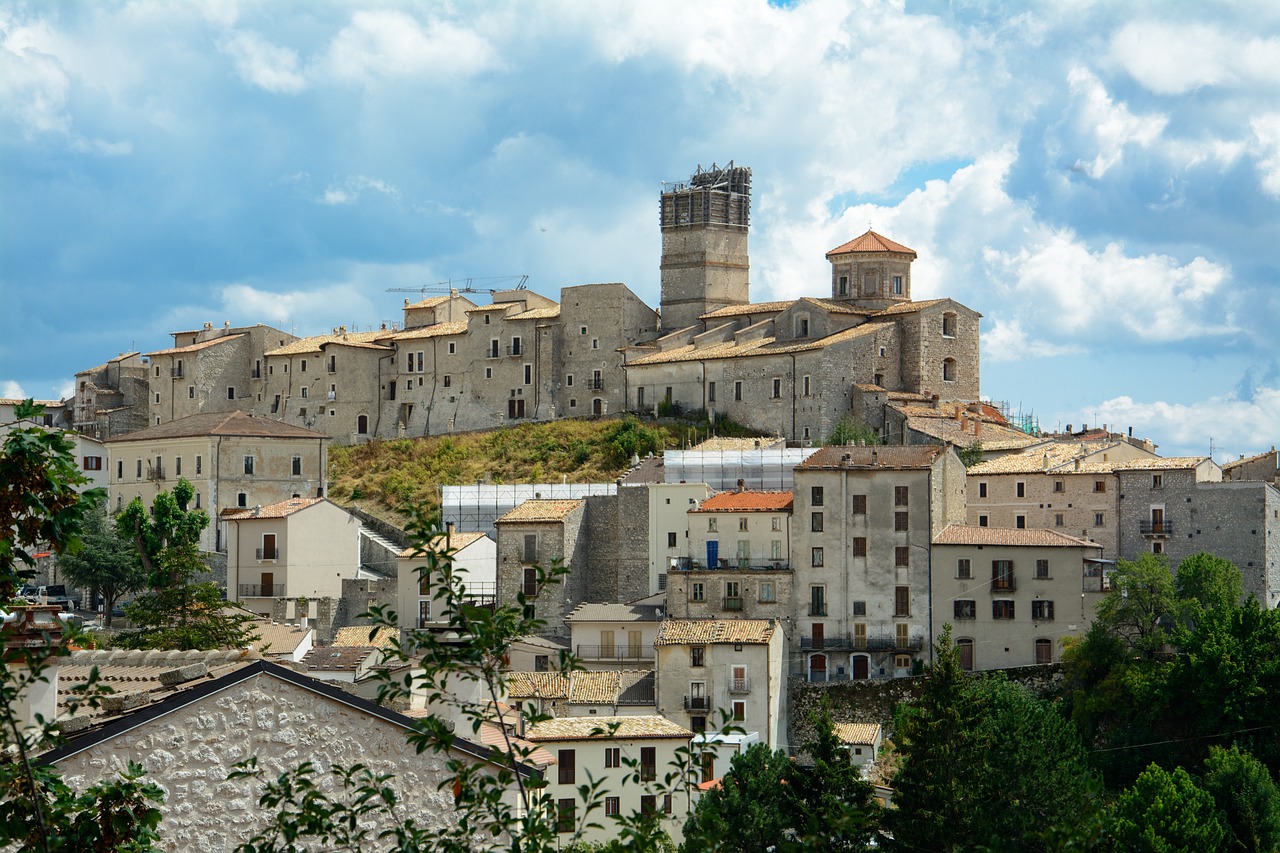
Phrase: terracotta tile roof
(887, 456)
(357, 636)
(457, 541)
(338, 658)
(537, 685)
(496, 737)
(540, 510)
(910, 307)
(763, 346)
(497, 306)
(219, 423)
(857, 733)
(1257, 457)
(969, 534)
(276, 640)
(542, 642)
(992, 437)
(685, 631)
(607, 728)
(717, 443)
(871, 242)
(748, 502)
(124, 355)
(435, 330)
(276, 510)
(1055, 457)
(536, 314)
(140, 677)
(751, 308)
(194, 347)
(615, 613)
(594, 688)
(429, 303)
(316, 343)
(1167, 464)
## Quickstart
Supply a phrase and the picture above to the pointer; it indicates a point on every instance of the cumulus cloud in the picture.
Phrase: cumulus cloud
(1235, 426)
(1266, 132)
(1006, 340)
(349, 191)
(1173, 58)
(391, 43)
(304, 311)
(1111, 124)
(11, 390)
(263, 64)
(33, 84)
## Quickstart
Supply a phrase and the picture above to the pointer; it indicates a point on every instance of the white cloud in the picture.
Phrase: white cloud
(348, 192)
(391, 43)
(1112, 125)
(264, 64)
(11, 390)
(1173, 58)
(1006, 341)
(304, 311)
(33, 84)
(1235, 426)
(1266, 132)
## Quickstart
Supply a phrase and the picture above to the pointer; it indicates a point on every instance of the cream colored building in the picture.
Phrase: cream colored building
(234, 461)
(1012, 595)
(474, 558)
(616, 636)
(610, 750)
(669, 504)
(864, 520)
(708, 669)
(297, 548)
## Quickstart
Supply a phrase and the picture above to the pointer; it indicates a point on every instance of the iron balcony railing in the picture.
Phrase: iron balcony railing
(1004, 583)
(871, 643)
(619, 651)
(333, 395)
(176, 372)
(697, 703)
(818, 608)
(267, 553)
(261, 590)
(739, 685)
(595, 384)
(754, 563)
(733, 602)
(1155, 528)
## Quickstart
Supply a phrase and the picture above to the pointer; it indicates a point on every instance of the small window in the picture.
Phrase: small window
(859, 504)
(982, 521)
(297, 466)
(900, 520)
(1002, 609)
(1002, 574)
(859, 546)
(737, 391)
(612, 805)
(697, 656)
(1020, 489)
(842, 286)
(231, 393)
(768, 592)
(897, 285)
(815, 495)
(948, 370)
(1042, 569)
(120, 469)
(964, 568)
(777, 390)
(742, 524)
(859, 608)
(242, 499)
(1097, 519)
(815, 522)
(453, 348)
(304, 392)
(697, 591)
(157, 397)
(530, 585)
(530, 548)
(248, 465)
(1020, 522)
(816, 557)
(595, 343)
(1059, 520)
(1042, 611)
(612, 757)
(199, 464)
(739, 710)
(1157, 481)
(1099, 486)
(712, 524)
(671, 539)
(1059, 487)
(528, 374)
(966, 608)
(902, 557)
(901, 496)
(565, 808)
(901, 601)
(711, 392)
(949, 325)
(776, 522)
(191, 392)
(448, 381)
(982, 490)
(804, 387)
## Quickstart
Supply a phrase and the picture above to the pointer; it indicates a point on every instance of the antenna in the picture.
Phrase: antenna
(450, 285)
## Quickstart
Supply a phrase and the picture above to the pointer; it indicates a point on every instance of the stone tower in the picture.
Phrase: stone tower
(704, 244)
(871, 271)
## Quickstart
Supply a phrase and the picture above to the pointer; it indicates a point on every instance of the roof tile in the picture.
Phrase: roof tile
(748, 502)
(607, 728)
(684, 631)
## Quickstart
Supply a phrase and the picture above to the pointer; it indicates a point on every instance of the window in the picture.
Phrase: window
(1157, 547)
(493, 347)
(902, 556)
(1059, 487)
(565, 761)
(859, 546)
(1042, 611)
(248, 465)
(804, 383)
(859, 608)
(816, 558)
(964, 569)
(859, 504)
(1002, 574)
(902, 639)
(902, 601)
(304, 392)
(1058, 519)
(842, 288)
(982, 490)
(948, 370)
(157, 397)
(742, 524)
(1020, 522)
(802, 327)
(739, 710)
(565, 818)
(199, 464)
(949, 325)
(697, 656)
(737, 391)
(982, 521)
(612, 757)
(191, 392)
(177, 466)
(409, 365)
(697, 591)
(297, 466)
(1042, 569)
(1021, 489)
(573, 403)
(777, 389)
(528, 374)
(1157, 481)
(900, 496)
(448, 381)
(817, 600)
(94, 463)
(269, 551)
(231, 393)
(242, 499)
(1002, 609)
(648, 763)
(711, 392)
(595, 343)
(1097, 519)
(776, 522)
(671, 539)
(530, 582)
(712, 524)
(612, 805)
(768, 592)
(815, 495)
(303, 366)
(966, 608)
(1099, 486)
(515, 345)
(698, 724)
(119, 469)
(815, 522)
(139, 474)
(900, 520)
(897, 285)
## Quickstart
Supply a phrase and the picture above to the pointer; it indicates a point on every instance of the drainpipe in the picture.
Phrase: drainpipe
(793, 397)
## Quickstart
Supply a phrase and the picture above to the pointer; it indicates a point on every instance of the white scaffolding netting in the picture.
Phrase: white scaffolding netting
(476, 507)
(763, 469)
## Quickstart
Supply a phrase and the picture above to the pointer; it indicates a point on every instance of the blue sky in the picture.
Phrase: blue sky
(1100, 180)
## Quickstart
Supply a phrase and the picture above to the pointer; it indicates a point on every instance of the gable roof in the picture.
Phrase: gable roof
(435, 330)
(219, 424)
(540, 510)
(355, 636)
(971, 534)
(637, 727)
(457, 541)
(537, 685)
(632, 612)
(896, 456)
(747, 501)
(212, 342)
(762, 346)
(317, 343)
(857, 732)
(704, 631)
(871, 242)
(278, 639)
(340, 658)
(283, 509)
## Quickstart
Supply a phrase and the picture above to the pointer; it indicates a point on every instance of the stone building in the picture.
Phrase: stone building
(1180, 506)
(111, 399)
(1012, 595)
(532, 539)
(233, 461)
(1262, 468)
(864, 521)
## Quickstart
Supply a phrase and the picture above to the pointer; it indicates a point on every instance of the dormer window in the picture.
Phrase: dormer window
(802, 326)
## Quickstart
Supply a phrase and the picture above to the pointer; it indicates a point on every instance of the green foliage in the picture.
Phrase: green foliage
(749, 811)
(971, 454)
(107, 562)
(1247, 798)
(1206, 583)
(1140, 603)
(834, 807)
(847, 432)
(628, 437)
(167, 525)
(1166, 813)
(115, 816)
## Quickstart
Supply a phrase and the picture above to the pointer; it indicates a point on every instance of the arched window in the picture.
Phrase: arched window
(965, 646)
(949, 370)
(362, 424)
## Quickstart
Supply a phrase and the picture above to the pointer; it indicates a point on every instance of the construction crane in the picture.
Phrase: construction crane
(451, 286)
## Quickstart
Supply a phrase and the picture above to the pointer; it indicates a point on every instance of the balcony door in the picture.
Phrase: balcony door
(1157, 519)
(634, 644)
(268, 584)
(606, 644)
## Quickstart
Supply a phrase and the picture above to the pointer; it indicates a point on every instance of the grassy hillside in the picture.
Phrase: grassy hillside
(386, 478)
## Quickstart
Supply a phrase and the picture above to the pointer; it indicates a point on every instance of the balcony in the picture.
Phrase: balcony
(1004, 583)
(261, 590)
(622, 652)
(1155, 528)
(733, 603)
(697, 703)
(825, 643)
(754, 563)
(739, 685)
(882, 642)
(256, 373)
(595, 385)
(817, 608)
(267, 553)
(515, 349)
(333, 395)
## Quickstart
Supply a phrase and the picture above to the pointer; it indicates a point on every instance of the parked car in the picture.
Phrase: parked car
(51, 594)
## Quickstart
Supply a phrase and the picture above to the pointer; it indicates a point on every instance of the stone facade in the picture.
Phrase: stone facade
(111, 399)
(544, 534)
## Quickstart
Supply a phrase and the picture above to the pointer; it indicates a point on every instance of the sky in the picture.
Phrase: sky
(1100, 180)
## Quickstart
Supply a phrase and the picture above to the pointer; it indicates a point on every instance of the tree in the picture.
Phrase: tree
(835, 807)
(1247, 798)
(971, 454)
(106, 563)
(179, 612)
(39, 507)
(1207, 583)
(749, 810)
(1140, 602)
(1166, 813)
(847, 432)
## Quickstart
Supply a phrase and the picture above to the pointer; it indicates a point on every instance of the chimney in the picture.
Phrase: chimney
(257, 510)
(977, 429)
(28, 633)
(406, 302)
(875, 457)
(934, 401)
(742, 485)
(964, 421)
(1068, 429)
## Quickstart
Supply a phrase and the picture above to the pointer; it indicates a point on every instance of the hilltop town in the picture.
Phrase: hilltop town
(882, 502)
